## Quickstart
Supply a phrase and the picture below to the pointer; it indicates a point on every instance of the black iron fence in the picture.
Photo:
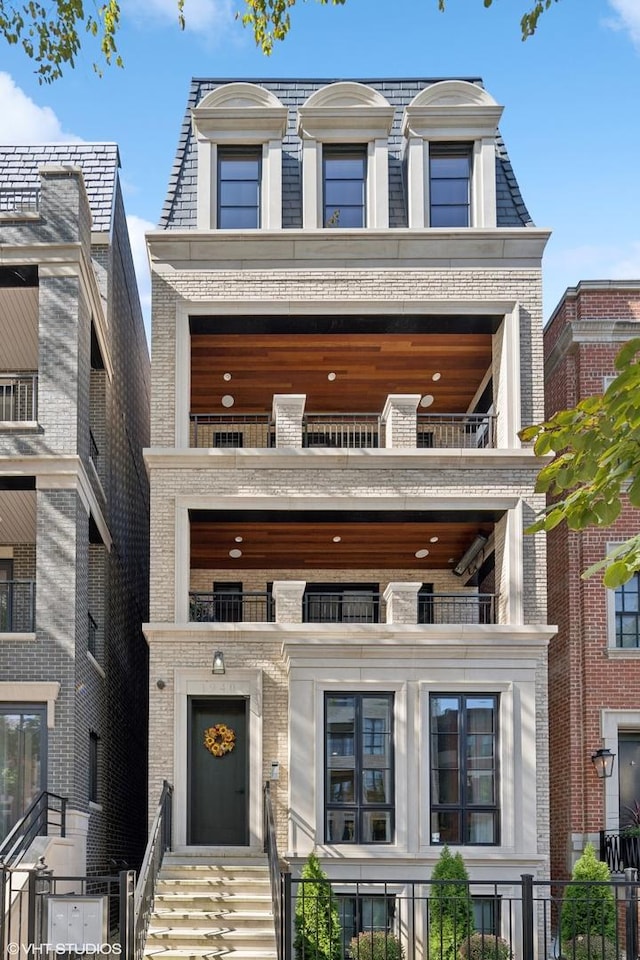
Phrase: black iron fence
(457, 608)
(472, 431)
(241, 607)
(231, 430)
(350, 430)
(139, 903)
(18, 396)
(45, 816)
(342, 607)
(620, 850)
(17, 606)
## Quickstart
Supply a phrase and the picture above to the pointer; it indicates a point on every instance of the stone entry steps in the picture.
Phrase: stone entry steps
(212, 907)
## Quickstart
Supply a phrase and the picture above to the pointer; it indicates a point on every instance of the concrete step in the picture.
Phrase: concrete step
(216, 934)
(212, 900)
(211, 883)
(181, 917)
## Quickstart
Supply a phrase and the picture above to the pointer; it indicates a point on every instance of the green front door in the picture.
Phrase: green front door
(218, 765)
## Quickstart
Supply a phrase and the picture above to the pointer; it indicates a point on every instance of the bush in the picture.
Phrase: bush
(450, 913)
(317, 922)
(484, 946)
(592, 947)
(589, 904)
(376, 945)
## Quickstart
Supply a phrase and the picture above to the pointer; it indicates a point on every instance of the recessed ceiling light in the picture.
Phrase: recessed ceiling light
(421, 554)
(331, 376)
(226, 376)
(227, 400)
(235, 553)
(436, 376)
(238, 539)
(452, 560)
(433, 539)
(337, 539)
(427, 400)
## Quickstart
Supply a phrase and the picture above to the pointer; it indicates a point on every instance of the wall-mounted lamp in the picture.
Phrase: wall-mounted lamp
(218, 662)
(602, 760)
(470, 554)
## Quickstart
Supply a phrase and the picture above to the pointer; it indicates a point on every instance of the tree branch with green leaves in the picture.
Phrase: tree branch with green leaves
(596, 469)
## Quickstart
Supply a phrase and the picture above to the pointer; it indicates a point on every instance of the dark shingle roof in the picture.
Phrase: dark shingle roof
(179, 211)
(99, 162)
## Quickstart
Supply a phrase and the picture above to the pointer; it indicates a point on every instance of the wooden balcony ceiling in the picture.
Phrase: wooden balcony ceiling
(18, 328)
(308, 544)
(338, 372)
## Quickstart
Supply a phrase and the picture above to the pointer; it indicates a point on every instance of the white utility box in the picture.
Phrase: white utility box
(80, 923)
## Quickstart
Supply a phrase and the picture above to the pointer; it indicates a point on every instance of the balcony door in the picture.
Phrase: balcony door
(23, 732)
(629, 778)
(6, 597)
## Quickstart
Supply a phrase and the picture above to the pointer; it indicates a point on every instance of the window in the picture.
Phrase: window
(464, 769)
(239, 172)
(449, 184)
(93, 767)
(360, 914)
(344, 182)
(627, 613)
(23, 761)
(227, 438)
(359, 768)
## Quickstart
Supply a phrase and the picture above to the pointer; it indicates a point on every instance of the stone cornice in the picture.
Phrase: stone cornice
(286, 458)
(579, 332)
(63, 472)
(419, 248)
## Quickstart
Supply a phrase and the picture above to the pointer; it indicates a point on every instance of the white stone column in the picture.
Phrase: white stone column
(288, 409)
(402, 602)
(287, 595)
(400, 419)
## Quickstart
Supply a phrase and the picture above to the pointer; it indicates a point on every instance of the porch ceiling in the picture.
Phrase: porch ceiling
(367, 367)
(19, 329)
(308, 542)
(17, 517)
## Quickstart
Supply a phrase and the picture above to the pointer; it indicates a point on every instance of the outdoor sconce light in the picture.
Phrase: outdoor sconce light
(602, 760)
(218, 662)
(472, 551)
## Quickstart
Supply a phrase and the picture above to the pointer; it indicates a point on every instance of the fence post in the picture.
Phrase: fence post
(631, 920)
(127, 915)
(31, 906)
(527, 917)
(286, 921)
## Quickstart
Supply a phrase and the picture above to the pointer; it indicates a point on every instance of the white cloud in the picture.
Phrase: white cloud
(23, 121)
(627, 18)
(137, 229)
(199, 14)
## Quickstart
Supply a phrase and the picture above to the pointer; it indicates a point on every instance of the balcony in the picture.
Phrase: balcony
(17, 606)
(457, 608)
(223, 607)
(619, 850)
(18, 397)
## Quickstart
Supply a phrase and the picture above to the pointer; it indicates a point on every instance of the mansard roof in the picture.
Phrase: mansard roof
(99, 162)
(179, 210)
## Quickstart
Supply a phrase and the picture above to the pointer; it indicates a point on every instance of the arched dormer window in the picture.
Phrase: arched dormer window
(450, 133)
(344, 128)
(239, 129)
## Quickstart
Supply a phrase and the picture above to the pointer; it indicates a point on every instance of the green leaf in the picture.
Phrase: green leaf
(617, 574)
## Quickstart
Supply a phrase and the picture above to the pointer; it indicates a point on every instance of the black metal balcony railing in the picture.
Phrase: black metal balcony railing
(619, 850)
(472, 431)
(457, 608)
(94, 452)
(18, 396)
(341, 608)
(19, 200)
(350, 430)
(17, 606)
(92, 636)
(216, 607)
(231, 430)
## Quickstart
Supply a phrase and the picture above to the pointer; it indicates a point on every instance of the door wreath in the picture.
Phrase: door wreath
(219, 739)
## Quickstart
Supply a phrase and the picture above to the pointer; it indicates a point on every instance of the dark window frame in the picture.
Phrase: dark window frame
(93, 767)
(359, 806)
(331, 212)
(336, 597)
(463, 807)
(352, 910)
(622, 615)
(227, 601)
(450, 151)
(224, 154)
(25, 708)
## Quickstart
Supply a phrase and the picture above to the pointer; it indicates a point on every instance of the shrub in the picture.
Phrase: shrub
(450, 913)
(317, 922)
(589, 905)
(376, 945)
(484, 946)
(592, 947)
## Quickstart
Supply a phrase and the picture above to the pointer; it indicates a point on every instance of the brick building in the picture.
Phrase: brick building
(594, 670)
(347, 337)
(74, 417)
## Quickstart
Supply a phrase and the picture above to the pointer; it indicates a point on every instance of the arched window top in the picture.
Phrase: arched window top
(239, 96)
(452, 109)
(345, 110)
(346, 94)
(451, 93)
(240, 112)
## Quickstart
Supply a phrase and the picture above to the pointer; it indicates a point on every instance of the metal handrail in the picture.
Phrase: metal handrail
(350, 430)
(341, 607)
(159, 842)
(276, 873)
(457, 607)
(232, 430)
(473, 431)
(18, 397)
(250, 606)
(33, 823)
(17, 605)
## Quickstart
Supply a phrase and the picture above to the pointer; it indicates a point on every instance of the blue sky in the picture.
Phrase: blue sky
(571, 96)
